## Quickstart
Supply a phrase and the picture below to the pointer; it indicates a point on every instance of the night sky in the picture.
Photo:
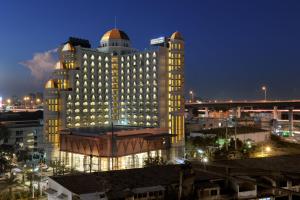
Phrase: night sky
(232, 47)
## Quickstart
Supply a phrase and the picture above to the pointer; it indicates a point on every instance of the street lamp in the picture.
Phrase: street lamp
(264, 88)
(268, 149)
(25, 100)
(8, 101)
(192, 95)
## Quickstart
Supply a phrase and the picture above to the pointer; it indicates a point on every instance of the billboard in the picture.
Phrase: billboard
(158, 41)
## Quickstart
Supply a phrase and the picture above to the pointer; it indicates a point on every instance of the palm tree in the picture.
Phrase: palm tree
(33, 177)
(10, 182)
(4, 133)
(4, 163)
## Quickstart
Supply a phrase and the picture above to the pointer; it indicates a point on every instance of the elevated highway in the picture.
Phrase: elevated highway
(246, 105)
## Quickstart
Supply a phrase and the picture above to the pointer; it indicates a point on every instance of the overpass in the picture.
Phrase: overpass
(276, 107)
(254, 105)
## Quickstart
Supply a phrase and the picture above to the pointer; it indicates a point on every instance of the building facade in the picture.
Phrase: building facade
(25, 130)
(100, 149)
(115, 83)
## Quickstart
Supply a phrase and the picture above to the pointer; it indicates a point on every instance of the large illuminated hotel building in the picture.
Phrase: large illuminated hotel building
(116, 84)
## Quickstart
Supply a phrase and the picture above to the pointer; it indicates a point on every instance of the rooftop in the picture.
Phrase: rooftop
(94, 131)
(79, 42)
(121, 180)
(286, 163)
(231, 130)
(21, 116)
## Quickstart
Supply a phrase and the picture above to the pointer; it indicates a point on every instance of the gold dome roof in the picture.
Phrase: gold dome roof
(59, 65)
(51, 84)
(68, 47)
(177, 36)
(115, 34)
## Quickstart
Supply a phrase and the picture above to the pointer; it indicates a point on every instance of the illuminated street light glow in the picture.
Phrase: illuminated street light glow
(200, 151)
(264, 88)
(192, 96)
(268, 149)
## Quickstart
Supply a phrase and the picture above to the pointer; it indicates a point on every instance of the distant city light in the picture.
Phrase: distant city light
(0, 102)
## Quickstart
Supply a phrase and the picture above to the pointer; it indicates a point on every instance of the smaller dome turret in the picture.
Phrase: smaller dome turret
(68, 47)
(51, 84)
(176, 36)
(59, 65)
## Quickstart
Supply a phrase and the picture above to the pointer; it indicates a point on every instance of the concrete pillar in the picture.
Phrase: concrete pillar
(206, 115)
(91, 163)
(238, 112)
(99, 164)
(291, 120)
(108, 163)
(275, 113)
(72, 161)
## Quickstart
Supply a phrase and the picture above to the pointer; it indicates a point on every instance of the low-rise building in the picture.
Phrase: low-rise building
(256, 178)
(25, 130)
(109, 148)
(243, 133)
(156, 182)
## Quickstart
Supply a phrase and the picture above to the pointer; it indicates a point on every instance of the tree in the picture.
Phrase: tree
(6, 156)
(4, 163)
(58, 168)
(4, 133)
(10, 182)
(154, 161)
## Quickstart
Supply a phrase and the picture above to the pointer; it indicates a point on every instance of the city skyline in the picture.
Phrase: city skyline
(232, 48)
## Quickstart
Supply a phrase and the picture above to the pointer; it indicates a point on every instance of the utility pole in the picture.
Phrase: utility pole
(32, 178)
(226, 135)
(180, 184)
(264, 88)
(235, 127)
(112, 144)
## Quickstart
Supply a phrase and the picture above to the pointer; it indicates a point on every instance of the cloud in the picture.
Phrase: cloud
(42, 64)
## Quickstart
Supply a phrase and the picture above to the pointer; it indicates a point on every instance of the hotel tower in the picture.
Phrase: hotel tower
(116, 84)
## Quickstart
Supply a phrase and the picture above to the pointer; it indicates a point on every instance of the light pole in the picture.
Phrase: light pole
(192, 95)
(25, 100)
(264, 88)
(8, 101)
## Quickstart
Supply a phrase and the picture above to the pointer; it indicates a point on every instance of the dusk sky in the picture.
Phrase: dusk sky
(232, 47)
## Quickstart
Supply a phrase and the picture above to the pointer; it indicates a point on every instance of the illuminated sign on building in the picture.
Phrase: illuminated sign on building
(0, 102)
(158, 41)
